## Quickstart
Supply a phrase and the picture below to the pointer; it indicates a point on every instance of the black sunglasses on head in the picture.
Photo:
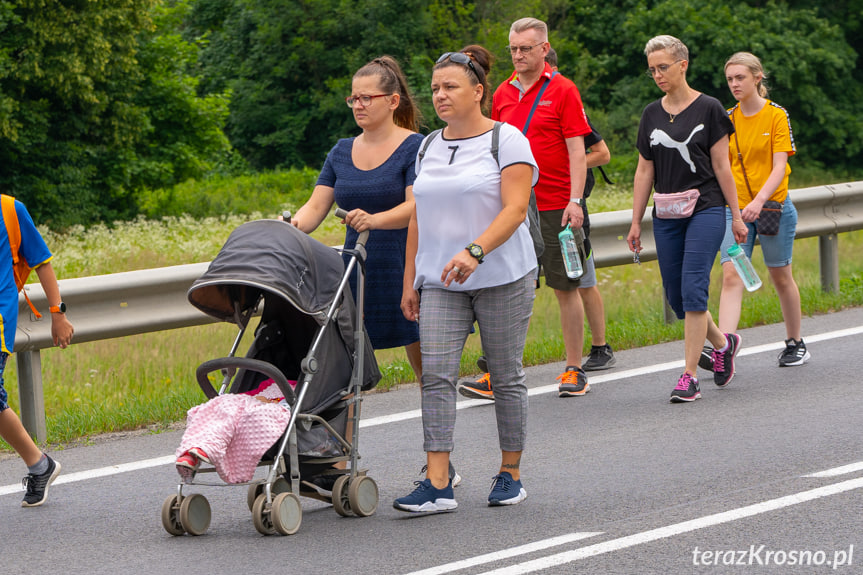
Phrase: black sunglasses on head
(460, 58)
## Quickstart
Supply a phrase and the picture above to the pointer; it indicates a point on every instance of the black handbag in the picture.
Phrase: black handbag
(768, 221)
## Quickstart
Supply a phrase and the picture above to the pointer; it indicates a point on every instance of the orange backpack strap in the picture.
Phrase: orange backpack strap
(20, 269)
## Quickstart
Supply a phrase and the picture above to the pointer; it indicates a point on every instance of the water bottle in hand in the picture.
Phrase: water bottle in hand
(569, 250)
(744, 268)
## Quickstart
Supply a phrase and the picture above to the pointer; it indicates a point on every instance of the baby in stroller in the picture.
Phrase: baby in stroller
(233, 431)
(308, 332)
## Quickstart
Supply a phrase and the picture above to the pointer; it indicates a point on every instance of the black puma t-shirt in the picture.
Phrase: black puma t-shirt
(680, 149)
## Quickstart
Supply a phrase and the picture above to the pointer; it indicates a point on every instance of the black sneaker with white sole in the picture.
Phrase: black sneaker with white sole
(601, 357)
(723, 361)
(36, 486)
(687, 389)
(795, 353)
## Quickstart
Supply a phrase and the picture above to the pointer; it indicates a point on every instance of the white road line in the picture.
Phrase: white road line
(850, 468)
(416, 413)
(616, 375)
(506, 553)
(100, 472)
(671, 530)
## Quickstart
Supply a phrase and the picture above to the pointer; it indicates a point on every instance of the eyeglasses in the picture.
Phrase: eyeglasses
(364, 100)
(523, 49)
(459, 58)
(662, 69)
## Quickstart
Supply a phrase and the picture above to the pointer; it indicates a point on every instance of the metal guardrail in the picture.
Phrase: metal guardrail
(129, 303)
(100, 307)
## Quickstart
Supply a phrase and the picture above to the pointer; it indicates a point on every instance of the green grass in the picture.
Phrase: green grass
(147, 381)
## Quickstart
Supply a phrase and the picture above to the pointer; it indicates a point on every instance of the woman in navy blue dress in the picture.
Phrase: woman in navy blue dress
(371, 176)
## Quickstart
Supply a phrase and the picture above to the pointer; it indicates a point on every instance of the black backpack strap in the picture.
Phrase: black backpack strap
(495, 142)
(425, 147)
(604, 175)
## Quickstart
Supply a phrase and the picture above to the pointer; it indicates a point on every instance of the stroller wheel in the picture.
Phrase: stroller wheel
(341, 498)
(280, 485)
(286, 514)
(261, 516)
(171, 517)
(252, 494)
(195, 514)
(363, 496)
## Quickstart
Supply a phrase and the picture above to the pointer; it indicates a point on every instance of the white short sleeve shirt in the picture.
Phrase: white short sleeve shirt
(457, 193)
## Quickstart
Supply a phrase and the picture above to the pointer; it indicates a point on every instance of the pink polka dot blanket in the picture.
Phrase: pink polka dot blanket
(235, 430)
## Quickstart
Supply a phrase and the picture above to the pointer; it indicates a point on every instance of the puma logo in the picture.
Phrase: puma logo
(660, 138)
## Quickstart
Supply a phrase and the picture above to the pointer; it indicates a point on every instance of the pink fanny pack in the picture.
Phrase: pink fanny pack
(675, 206)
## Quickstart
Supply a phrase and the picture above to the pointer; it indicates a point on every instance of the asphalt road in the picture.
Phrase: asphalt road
(618, 481)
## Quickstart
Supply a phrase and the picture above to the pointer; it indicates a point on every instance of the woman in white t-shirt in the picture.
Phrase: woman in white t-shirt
(470, 258)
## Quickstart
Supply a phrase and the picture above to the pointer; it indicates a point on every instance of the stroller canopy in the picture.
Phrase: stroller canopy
(273, 256)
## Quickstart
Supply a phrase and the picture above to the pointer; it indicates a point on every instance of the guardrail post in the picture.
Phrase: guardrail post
(32, 401)
(828, 252)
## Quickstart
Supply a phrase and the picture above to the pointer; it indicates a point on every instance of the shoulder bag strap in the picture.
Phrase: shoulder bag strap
(536, 101)
(739, 155)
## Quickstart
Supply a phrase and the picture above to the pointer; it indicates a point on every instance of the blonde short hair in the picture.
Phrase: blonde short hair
(668, 43)
(525, 24)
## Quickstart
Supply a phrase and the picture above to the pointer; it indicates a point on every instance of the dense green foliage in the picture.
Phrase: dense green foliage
(805, 47)
(96, 104)
(290, 67)
(266, 193)
(112, 109)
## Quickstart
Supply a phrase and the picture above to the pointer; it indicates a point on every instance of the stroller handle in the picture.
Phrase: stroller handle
(247, 364)
(363, 237)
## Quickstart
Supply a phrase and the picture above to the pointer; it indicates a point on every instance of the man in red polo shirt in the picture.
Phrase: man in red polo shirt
(556, 133)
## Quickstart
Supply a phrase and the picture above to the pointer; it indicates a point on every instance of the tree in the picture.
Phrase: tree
(94, 106)
(807, 58)
(289, 67)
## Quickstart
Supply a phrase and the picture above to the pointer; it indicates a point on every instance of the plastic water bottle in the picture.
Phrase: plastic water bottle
(569, 250)
(744, 268)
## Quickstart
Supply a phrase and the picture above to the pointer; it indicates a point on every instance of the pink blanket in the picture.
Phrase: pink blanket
(235, 431)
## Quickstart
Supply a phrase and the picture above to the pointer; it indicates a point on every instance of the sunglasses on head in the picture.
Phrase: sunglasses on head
(459, 58)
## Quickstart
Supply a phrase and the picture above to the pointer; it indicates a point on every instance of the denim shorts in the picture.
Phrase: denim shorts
(775, 249)
(4, 397)
(686, 250)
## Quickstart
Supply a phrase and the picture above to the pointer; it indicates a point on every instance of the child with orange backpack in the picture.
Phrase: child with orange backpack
(19, 234)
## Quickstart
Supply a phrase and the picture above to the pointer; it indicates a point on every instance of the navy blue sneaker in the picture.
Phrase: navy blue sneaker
(506, 491)
(426, 498)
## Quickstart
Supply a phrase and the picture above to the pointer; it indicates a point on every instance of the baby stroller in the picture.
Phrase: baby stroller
(310, 332)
